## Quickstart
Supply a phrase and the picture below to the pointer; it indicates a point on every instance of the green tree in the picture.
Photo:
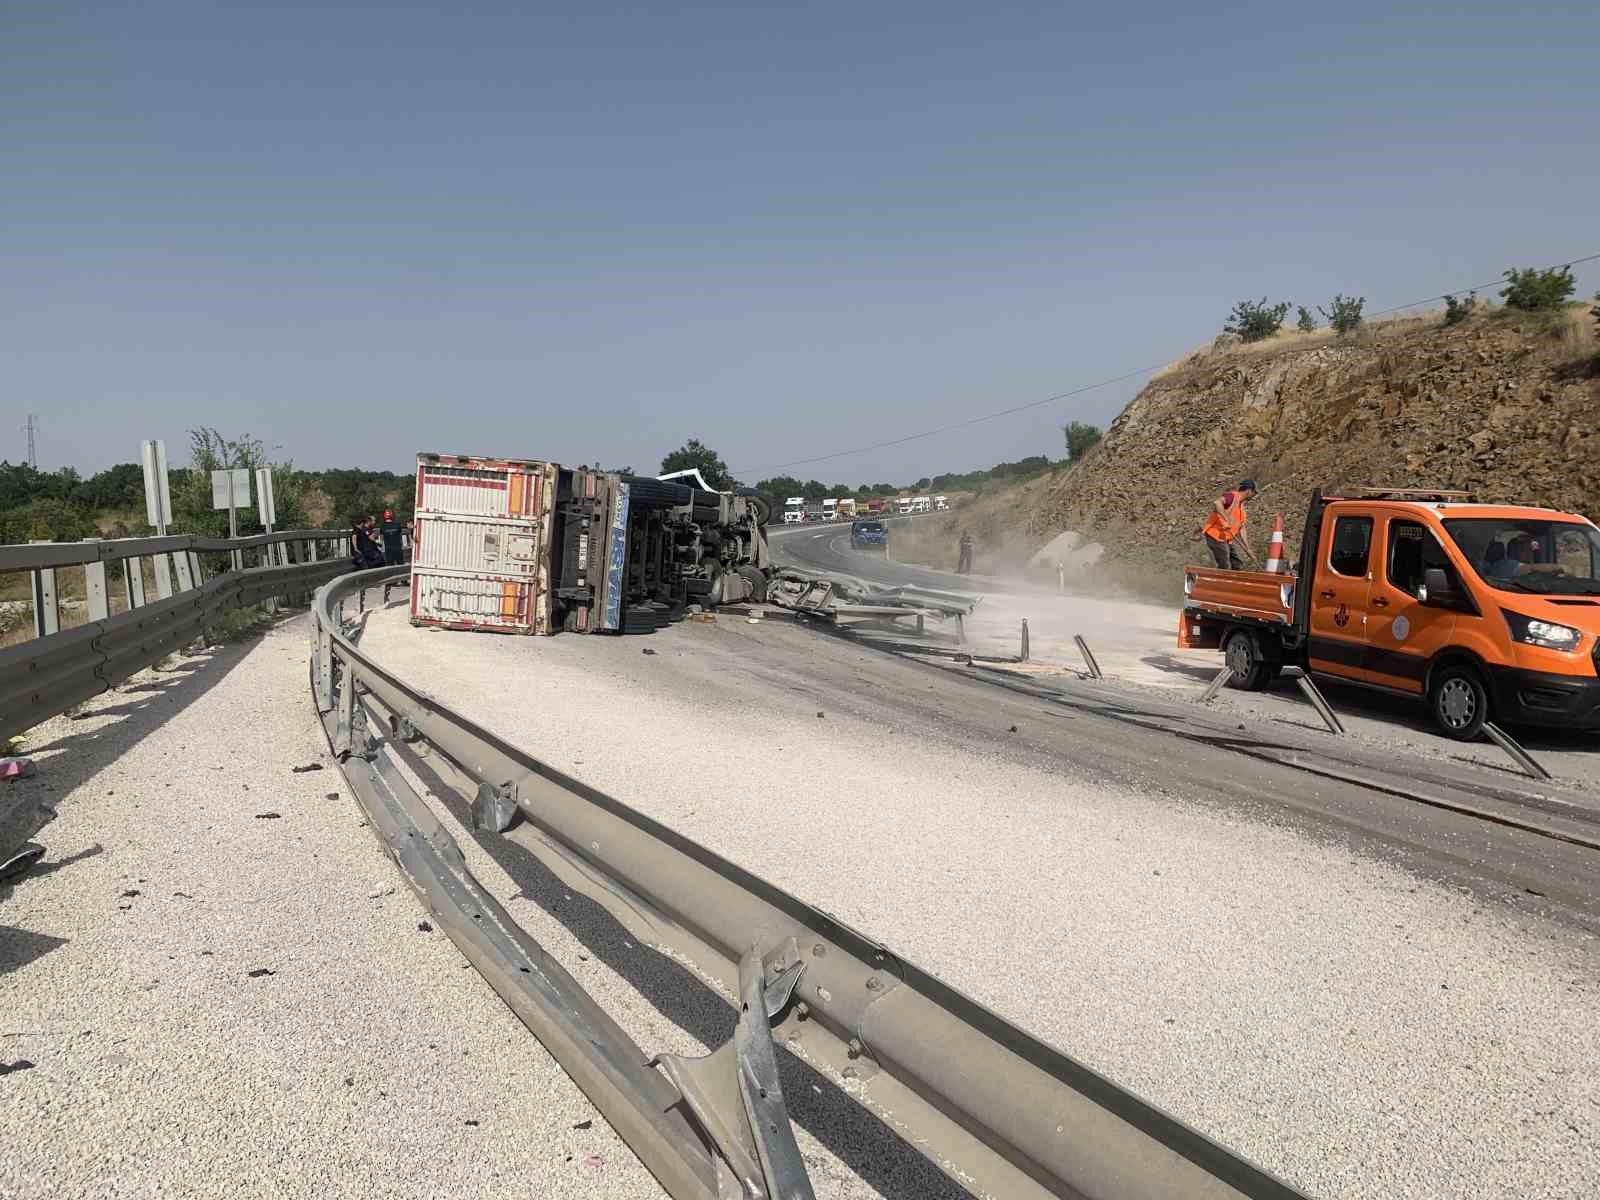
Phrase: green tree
(1457, 311)
(1253, 320)
(1533, 289)
(210, 451)
(1346, 314)
(1307, 322)
(695, 453)
(1081, 438)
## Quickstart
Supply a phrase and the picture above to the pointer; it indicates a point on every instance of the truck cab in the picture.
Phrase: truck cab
(794, 510)
(1482, 611)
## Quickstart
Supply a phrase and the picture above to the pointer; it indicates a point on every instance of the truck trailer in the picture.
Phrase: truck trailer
(525, 546)
(1481, 611)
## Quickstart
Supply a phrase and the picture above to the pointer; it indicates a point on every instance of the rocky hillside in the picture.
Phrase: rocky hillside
(1506, 405)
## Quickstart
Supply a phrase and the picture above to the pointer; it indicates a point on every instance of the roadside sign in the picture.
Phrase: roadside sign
(157, 491)
(230, 488)
(268, 505)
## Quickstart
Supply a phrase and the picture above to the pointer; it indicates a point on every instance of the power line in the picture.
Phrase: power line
(747, 472)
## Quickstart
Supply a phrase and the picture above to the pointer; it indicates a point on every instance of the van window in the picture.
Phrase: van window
(1352, 539)
(1413, 550)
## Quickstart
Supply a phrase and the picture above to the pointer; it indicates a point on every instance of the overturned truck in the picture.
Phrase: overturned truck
(523, 546)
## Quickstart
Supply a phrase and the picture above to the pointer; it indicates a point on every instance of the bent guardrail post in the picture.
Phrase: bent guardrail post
(1003, 1113)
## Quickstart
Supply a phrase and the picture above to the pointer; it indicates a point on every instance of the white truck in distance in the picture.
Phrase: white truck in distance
(794, 510)
(830, 508)
(940, 504)
(902, 505)
(921, 504)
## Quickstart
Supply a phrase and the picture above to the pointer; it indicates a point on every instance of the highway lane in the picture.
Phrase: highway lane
(1362, 994)
(1135, 643)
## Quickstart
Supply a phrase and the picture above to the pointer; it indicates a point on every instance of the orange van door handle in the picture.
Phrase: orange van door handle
(1380, 602)
(1326, 595)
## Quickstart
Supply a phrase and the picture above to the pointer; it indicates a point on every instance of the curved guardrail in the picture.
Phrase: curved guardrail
(1000, 1111)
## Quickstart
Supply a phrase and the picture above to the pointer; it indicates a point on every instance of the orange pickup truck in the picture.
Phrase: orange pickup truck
(1483, 611)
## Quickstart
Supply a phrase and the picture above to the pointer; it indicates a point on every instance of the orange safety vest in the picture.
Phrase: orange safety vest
(1222, 528)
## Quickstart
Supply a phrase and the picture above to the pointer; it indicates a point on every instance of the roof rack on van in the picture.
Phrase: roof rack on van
(1409, 494)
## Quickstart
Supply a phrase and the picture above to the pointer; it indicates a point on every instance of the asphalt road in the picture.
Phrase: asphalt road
(1135, 643)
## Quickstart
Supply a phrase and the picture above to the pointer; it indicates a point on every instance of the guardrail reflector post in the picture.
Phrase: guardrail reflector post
(94, 586)
(324, 670)
(180, 562)
(163, 565)
(46, 616)
(133, 580)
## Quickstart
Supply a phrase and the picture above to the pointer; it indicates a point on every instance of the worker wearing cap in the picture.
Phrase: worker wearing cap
(394, 551)
(1225, 526)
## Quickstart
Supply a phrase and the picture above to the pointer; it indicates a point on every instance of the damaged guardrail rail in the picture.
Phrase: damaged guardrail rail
(998, 1110)
(58, 668)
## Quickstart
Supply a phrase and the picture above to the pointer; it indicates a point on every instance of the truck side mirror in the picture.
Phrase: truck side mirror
(1436, 590)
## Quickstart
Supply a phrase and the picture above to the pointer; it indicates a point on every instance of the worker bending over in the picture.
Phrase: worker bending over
(1225, 526)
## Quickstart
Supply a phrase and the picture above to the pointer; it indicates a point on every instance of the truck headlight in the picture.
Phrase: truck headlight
(1534, 632)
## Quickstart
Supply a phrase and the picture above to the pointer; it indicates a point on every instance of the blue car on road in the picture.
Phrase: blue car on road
(869, 535)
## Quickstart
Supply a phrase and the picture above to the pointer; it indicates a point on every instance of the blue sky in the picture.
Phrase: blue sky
(589, 231)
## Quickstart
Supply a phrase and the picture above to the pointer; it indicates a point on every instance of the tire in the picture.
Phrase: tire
(758, 583)
(1242, 652)
(1459, 702)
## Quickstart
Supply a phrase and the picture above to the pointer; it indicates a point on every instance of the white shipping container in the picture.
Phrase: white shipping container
(478, 557)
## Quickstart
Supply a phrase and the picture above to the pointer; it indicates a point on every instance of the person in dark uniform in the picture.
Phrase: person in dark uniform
(364, 552)
(394, 550)
(965, 565)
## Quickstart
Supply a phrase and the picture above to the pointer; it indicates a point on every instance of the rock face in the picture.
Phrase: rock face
(1508, 410)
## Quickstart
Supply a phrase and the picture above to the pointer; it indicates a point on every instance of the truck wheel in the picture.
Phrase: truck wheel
(1242, 653)
(757, 582)
(1459, 702)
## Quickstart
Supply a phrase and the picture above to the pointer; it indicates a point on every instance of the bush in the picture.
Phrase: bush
(1254, 320)
(1307, 322)
(1346, 314)
(1081, 439)
(45, 520)
(1534, 290)
(1457, 311)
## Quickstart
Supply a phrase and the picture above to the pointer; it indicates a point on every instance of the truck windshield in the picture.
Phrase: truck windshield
(1553, 558)
(869, 526)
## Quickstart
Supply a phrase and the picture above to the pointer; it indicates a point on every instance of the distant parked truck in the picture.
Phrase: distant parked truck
(521, 546)
(830, 508)
(847, 509)
(877, 505)
(903, 506)
(794, 510)
(921, 504)
(940, 503)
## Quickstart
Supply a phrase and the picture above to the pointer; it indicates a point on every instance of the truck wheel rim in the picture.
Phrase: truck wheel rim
(1239, 656)
(1458, 702)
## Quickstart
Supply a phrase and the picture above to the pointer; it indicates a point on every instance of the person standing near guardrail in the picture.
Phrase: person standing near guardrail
(364, 552)
(394, 551)
(1225, 525)
(964, 565)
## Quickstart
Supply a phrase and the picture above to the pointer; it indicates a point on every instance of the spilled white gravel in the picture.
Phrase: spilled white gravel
(1357, 1028)
(1363, 1031)
(371, 1061)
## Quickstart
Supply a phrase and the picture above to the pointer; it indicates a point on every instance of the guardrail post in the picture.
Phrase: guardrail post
(324, 669)
(46, 616)
(163, 566)
(133, 580)
(311, 549)
(94, 587)
(180, 562)
(347, 712)
(195, 569)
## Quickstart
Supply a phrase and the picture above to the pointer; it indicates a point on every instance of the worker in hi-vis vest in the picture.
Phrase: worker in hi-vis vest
(1225, 525)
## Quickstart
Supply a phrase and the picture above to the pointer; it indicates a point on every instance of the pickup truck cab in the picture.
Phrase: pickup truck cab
(1481, 611)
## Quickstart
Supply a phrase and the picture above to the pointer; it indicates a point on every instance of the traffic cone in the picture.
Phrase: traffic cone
(1275, 550)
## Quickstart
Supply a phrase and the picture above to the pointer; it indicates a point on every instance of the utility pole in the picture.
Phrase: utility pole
(33, 453)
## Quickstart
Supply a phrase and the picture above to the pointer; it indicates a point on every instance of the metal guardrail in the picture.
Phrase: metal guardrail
(1001, 1112)
(57, 669)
